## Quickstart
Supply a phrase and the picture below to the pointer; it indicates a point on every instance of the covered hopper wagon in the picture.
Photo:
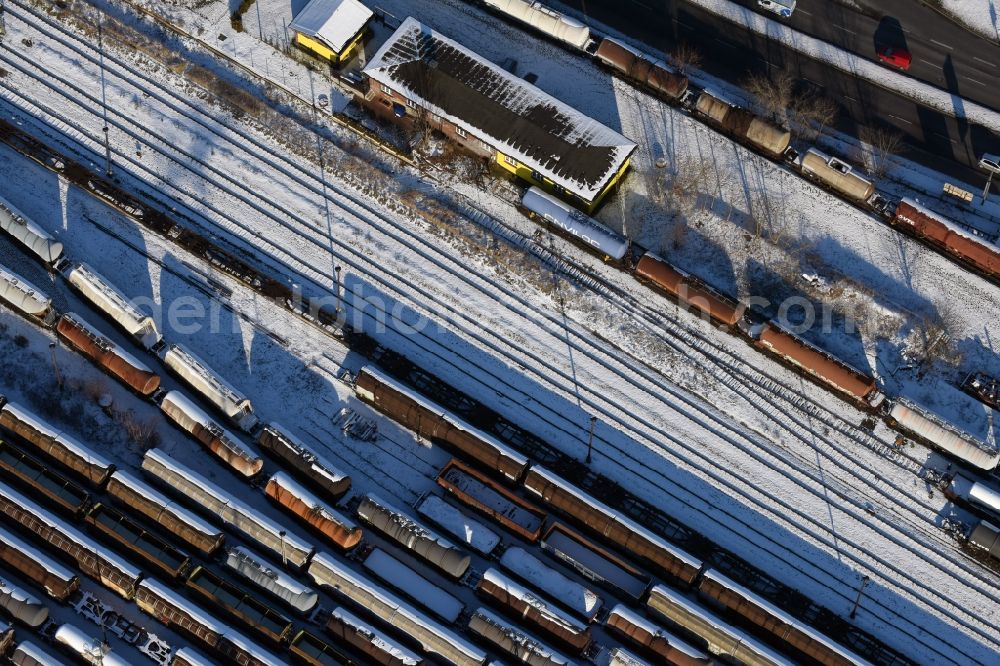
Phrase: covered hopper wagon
(115, 305)
(32, 237)
(211, 386)
(226, 446)
(744, 125)
(323, 518)
(114, 360)
(23, 296)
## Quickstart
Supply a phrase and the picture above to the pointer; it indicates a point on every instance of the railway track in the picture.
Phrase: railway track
(609, 443)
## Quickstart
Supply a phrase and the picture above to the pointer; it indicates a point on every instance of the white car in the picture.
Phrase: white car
(783, 8)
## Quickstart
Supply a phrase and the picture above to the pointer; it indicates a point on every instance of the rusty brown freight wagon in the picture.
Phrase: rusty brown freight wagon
(110, 357)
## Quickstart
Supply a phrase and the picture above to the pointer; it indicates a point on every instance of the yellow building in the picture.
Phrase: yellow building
(331, 29)
(419, 74)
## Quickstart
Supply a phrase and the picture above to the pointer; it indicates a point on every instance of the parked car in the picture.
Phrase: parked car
(894, 57)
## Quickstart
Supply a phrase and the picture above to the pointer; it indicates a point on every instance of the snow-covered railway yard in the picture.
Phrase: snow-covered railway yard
(816, 504)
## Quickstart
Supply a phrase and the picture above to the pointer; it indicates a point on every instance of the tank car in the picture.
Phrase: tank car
(114, 360)
(837, 175)
(22, 606)
(743, 124)
(546, 20)
(331, 523)
(270, 577)
(365, 639)
(654, 639)
(30, 654)
(428, 419)
(315, 469)
(109, 300)
(187, 656)
(211, 386)
(414, 536)
(985, 536)
(939, 433)
(633, 65)
(514, 641)
(688, 290)
(28, 234)
(580, 227)
(23, 296)
(976, 494)
(6, 638)
(91, 650)
(226, 446)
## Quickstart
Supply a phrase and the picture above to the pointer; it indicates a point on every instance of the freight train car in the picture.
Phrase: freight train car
(169, 515)
(942, 232)
(226, 508)
(653, 639)
(187, 656)
(269, 577)
(738, 600)
(722, 639)
(22, 606)
(326, 520)
(413, 586)
(211, 386)
(311, 651)
(92, 559)
(939, 433)
(542, 616)
(57, 445)
(106, 298)
(414, 411)
(594, 563)
(985, 536)
(226, 446)
(91, 650)
(58, 582)
(316, 470)
(138, 540)
(688, 290)
(568, 220)
(433, 637)
(618, 657)
(240, 604)
(545, 20)
(30, 654)
(414, 536)
(818, 364)
(653, 74)
(744, 125)
(570, 594)
(618, 530)
(470, 533)
(975, 494)
(6, 638)
(514, 641)
(32, 237)
(23, 296)
(492, 499)
(365, 639)
(56, 488)
(837, 175)
(104, 353)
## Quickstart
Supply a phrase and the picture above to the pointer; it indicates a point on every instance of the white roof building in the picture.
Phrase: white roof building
(332, 22)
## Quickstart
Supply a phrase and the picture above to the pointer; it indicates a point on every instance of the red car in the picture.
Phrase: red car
(894, 57)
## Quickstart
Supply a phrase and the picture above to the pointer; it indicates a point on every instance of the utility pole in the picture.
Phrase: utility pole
(590, 441)
(336, 274)
(55, 365)
(986, 190)
(104, 97)
(864, 581)
(260, 28)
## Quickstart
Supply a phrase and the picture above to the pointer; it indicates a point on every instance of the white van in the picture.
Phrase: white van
(783, 8)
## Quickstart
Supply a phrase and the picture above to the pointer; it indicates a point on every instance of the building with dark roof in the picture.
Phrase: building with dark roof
(421, 75)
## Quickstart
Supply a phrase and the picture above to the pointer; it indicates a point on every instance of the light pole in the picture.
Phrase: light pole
(857, 601)
(104, 97)
(590, 441)
(55, 365)
(990, 164)
(336, 273)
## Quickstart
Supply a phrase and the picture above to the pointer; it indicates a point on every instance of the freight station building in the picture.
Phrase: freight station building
(419, 74)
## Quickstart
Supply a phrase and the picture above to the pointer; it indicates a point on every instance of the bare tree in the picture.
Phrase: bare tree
(773, 94)
(813, 113)
(879, 144)
(685, 57)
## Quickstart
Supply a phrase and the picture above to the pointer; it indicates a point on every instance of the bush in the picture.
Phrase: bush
(21, 341)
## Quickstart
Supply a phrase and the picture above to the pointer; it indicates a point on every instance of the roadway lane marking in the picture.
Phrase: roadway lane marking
(802, 11)
(944, 136)
(950, 48)
(927, 61)
(903, 119)
(846, 29)
(985, 62)
(969, 78)
(850, 98)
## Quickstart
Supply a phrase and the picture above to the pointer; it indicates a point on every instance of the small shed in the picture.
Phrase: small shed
(331, 29)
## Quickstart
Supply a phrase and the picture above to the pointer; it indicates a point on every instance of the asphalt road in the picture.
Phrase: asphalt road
(932, 138)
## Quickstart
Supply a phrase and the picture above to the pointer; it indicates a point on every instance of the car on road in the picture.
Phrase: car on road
(894, 56)
(783, 8)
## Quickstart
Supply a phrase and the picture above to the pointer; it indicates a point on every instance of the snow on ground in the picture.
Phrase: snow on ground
(979, 15)
(792, 507)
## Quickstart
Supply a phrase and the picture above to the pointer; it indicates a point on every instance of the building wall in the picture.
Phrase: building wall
(320, 49)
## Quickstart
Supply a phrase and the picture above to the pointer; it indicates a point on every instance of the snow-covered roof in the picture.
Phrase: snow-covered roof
(90, 649)
(295, 488)
(334, 22)
(511, 115)
(106, 342)
(552, 613)
(470, 532)
(50, 565)
(377, 639)
(638, 620)
(582, 556)
(114, 303)
(61, 438)
(191, 657)
(520, 639)
(949, 224)
(271, 577)
(568, 592)
(22, 294)
(143, 489)
(29, 649)
(402, 577)
(206, 381)
(196, 613)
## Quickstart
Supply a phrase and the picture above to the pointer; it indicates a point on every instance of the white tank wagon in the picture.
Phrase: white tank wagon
(229, 510)
(156, 506)
(262, 573)
(986, 536)
(23, 296)
(55, 444)
(413, 585)
(115, 304)
(406, 531)
(514, 640)
(941, 434)
(433, 637)
(569, 593)
(90, 650)
(226, 446)
(549, 21)
(466, 530)
(30, 654)
(975, 493)
(96, 561)
(21, 605)
(721, 639)
(286, 447)
(29, 234)
(837, 175)
(211, 386)
(586, 229)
